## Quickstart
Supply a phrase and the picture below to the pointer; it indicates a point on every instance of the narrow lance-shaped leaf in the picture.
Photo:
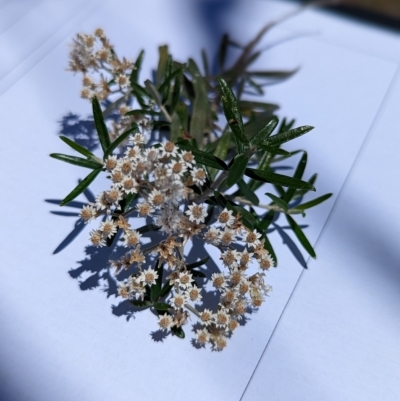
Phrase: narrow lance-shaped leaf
(262, 135)
(221, 150)
(201, 104)
(80, 187)
(198, 264)
(233, 116)
(298, 174)
(178, 331)
(136, 70)
(274, 178)
(287, 136)
(236, 171)
(272, 74)
(248, 193)
(268, 246)
(301, 236)
(101, 127)
(301, 192)
(201, 157)
(77, 161)
(274, 150)
(314, 202)
(155, 289)
(278, 201)
(204, 58)
(119, 140)
(162, 63)
(76, 146)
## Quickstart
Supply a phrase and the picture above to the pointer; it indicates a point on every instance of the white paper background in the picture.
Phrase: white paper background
(338, 332)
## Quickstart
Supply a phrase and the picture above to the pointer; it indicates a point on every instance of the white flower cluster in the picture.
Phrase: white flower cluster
(94, 54)
(162, 177)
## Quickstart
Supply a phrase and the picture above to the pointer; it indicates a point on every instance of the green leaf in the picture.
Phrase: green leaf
(147, 228)
(283, 137)
(170, 78)
(128, 201)
(298, 174)
(161, 307)
(233, 116)
(77, 161)
(142, 112)
(101, 127)
(266, 221)
(314, 202)
(248, 193)
(139, 303)
(278, 201)
(119, 140)
(198, 273)
(198, 264)
(236, 171)
(257, 121)
(301, 236)
(136, 71)
(262, 135)
(153, 92)
(162, 63)
(80, 187)
(301, 192)
(201, 157)
(178, 331)
(270, 249)
(76, 146)
(165, 289)
(272, 74)
(201, 105)
(221, 150)
(274, 150)
(248, 219)
(176, 93)
(205, 62)
(274, 178)
(155, 289)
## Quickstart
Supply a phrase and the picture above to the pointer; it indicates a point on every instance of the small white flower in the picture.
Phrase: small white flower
(202, 336)
(198, 175)
(122, 80)
(226, 218)
(88, 213)
(178, 301)
(253, 238)
(176, 169)
(185, 280)
(227, 236)
(196, 213)
(111, 163)
(212, 236)
(221, 318)
(206, 317)
(108, 228)
(149, 276)
(193, 293)
(131, 238)
(97, 239)
(165, 321)
(218, 280)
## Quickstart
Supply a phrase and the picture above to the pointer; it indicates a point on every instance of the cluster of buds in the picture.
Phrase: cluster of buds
(163, 178)
(103, 72)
